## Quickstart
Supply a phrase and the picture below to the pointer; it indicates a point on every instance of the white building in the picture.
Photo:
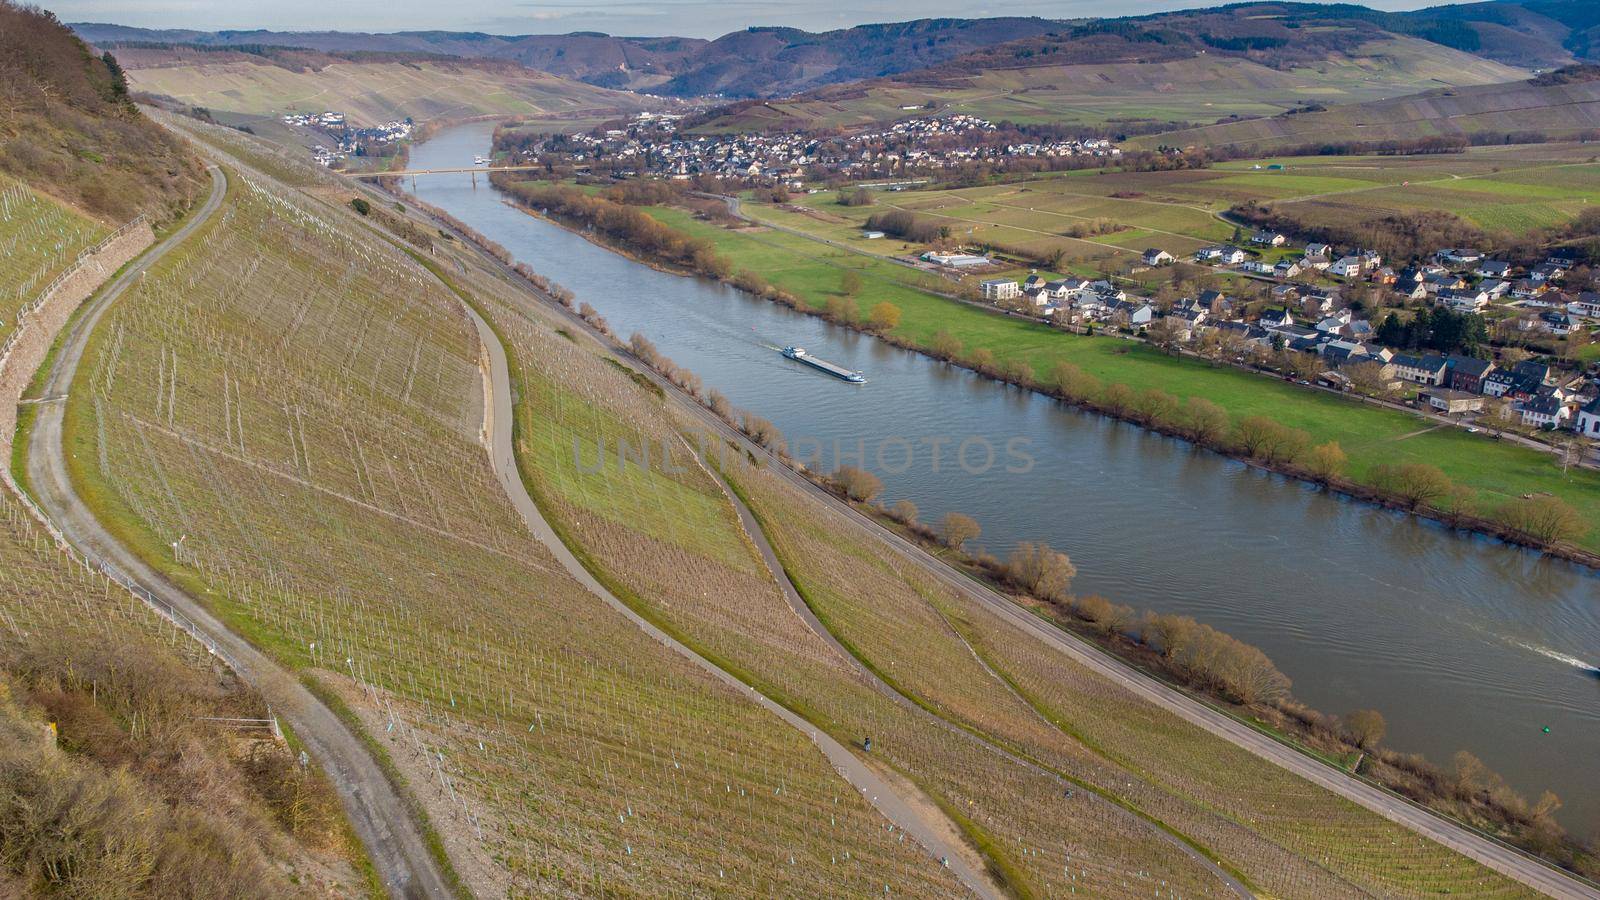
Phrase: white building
(1001, 289)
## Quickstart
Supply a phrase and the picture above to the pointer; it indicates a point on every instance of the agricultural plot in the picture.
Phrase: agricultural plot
(38, 238)
(956, 654)
(687, 564)
(285, 413)
(1495, 472)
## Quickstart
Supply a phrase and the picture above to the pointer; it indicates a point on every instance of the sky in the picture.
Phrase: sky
(688, 18)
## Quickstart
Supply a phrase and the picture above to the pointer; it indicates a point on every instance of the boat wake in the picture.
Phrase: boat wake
(1558, 656)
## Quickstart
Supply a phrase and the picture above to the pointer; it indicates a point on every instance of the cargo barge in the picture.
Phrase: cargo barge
(799, 354)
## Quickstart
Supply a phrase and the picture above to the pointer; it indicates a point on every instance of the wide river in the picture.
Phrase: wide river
(1461, 642)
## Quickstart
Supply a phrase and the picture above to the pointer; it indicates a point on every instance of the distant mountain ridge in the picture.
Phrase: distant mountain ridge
(762, 62)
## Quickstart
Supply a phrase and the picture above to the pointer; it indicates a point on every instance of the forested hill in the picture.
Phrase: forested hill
(68, 127)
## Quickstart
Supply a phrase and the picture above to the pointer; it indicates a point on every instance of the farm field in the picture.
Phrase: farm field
(305, 454)
(1204, 89)
(1509, 190)
(38, 238)
(373, 92)
(1494, 471)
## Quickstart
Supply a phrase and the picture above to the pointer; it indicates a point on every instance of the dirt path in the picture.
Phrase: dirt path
(909, 813)
(381, 817)
(758, 536)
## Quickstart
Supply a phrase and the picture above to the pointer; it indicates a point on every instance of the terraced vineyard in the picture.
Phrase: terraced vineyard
(38, 238)
(664, 535)
(1289, 837)
(285, 413)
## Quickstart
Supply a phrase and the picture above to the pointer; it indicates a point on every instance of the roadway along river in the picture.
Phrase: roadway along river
(1461, 642)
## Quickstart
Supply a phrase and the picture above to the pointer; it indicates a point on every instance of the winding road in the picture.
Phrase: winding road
(379, 814)
(910, 813)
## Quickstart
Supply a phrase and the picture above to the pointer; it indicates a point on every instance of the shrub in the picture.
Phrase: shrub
(1543, 520)
(1043, 572)
(884, 317)
(1365, 728)
(857, 484)
(1326, 462)
(956, 529)
(904, 511)
(1413, 483)
(360, 205)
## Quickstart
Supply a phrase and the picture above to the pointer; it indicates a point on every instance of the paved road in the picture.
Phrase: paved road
(380, 816)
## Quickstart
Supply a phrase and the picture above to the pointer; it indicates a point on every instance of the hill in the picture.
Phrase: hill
(1133, 77)
(370, 88)
(70, 130)
(1565, 103)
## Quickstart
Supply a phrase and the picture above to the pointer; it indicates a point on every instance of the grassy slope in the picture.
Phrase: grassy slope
(1496, 471)
(1512, 106)
(1198, 89)
(373, 92)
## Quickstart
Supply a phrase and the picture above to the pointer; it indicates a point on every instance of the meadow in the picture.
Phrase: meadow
(284, 415)
(38, 238)
(1494, 472)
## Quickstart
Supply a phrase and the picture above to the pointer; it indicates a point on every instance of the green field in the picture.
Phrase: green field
(1495, 471)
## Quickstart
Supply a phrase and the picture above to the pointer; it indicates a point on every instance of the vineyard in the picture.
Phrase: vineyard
(1287, 836)
(286, 414)
(38, 238)
(666, 537)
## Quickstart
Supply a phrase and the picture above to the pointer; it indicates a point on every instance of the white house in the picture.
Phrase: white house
(1586, 304)
(1322, 250)
(1588, 422)
(1544, 411)
(1232, 256)
(1269, 238)
(1155, 256)
(1001, 289)
(1429, 370)
(1346, 267)
(1493, 268)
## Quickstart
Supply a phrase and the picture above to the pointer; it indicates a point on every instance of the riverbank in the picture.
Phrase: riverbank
(568, 305)
(1462, 481)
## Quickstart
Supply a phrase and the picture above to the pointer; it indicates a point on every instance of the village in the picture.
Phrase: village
(654, 144)
(1313, 325)
(347, 141)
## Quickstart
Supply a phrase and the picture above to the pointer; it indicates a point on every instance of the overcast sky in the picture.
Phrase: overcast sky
(691, 18)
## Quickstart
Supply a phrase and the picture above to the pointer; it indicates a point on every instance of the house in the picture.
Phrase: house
(1322, 250)
(1001, 289)
(1276, 318)
(1033, 284)
(1286, 268)
(1451, 402)
(1155, 256)
(1386, 276)
(1588, 420)
(1267, 238)
(1467, 373)
(1334, 322)
(1429, 369)
(1343, 353)
(1585, 304)
(1547, 272)
(1544, 411)
(1458, 256)
(1358, 330)
(1527, 288)
(1555, 322)
(1318, 303)
(1434, 282)
(1498, 383)
(1285, 293)
(1134, 314)
(872, 235)
(1232, 256)
(1346, 267)
(1492, 268)
(1257, 267)
(1464, 300)
(1208, 254)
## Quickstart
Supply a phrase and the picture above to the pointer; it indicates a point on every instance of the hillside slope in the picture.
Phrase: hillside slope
(67, 127)
(1551, 105)
(1128, 83)
(369, 89)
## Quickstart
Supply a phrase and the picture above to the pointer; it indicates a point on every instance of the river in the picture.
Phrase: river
(1461, 642)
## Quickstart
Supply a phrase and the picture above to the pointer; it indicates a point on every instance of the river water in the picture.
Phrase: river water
(1461, 642)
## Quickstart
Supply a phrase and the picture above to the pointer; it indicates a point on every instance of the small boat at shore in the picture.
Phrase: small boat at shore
(799, 354)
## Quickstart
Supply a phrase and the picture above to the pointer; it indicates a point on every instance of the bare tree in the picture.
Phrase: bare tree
(905, 511)
(858, 484)
(1366, 727)
(957, 529)
(1044, 572)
